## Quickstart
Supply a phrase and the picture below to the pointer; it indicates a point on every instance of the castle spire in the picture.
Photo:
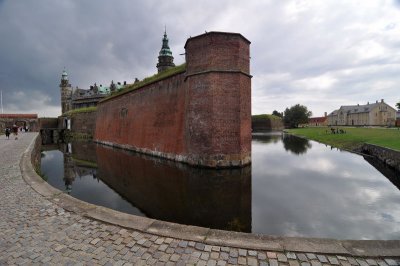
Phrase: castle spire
(165, 58)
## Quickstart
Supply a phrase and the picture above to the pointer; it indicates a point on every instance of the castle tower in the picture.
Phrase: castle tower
(66, 93)
(165, 58)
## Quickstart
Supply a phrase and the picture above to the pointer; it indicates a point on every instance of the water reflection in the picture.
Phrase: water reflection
(291, 143)
(163, 189)
(309, 191)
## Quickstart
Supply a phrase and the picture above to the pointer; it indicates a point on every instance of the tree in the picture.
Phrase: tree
(398, 105)
(296, 115)
(276, 113)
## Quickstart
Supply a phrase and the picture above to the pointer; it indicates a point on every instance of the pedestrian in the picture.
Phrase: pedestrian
(15, 131)
(8, 133)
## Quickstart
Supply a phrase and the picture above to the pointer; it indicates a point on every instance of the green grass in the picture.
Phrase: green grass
(81, 110)
(353, 138)
(146, 81)
(264, 116)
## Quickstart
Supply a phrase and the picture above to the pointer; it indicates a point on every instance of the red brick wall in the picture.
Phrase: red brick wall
(150, 118)
(202, 116)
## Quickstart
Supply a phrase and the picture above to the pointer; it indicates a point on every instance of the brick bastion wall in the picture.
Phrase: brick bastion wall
(83, 123)
(201, 116)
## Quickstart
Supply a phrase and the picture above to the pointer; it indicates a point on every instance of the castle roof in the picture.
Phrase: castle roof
(355, 109)
(21, 116)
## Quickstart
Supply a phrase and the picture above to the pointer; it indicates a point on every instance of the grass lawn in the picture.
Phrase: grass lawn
(353, 138)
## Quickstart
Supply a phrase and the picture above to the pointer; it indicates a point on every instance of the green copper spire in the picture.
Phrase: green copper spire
(165, 50)
(165, 58)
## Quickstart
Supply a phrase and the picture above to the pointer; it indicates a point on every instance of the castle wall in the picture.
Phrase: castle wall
(201, 117)
(82, 123)
(266, 124)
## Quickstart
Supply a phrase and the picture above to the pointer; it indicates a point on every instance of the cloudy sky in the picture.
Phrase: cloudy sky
(321, 54)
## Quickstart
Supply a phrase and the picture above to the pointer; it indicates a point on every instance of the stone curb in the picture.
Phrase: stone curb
(359, 248)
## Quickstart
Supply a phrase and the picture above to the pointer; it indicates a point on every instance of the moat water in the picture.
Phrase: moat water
(294, 187)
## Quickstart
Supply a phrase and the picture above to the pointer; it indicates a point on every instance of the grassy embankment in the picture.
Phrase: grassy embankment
(353, 138)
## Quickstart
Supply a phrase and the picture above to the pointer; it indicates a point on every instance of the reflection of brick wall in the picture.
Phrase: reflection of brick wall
(202, 116)
(172, 192)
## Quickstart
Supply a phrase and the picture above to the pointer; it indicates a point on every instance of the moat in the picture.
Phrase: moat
(294, 187)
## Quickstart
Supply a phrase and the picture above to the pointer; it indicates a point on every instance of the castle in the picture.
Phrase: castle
(198, 113)
(74, 98)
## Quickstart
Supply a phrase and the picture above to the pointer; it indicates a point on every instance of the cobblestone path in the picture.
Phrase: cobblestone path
(34, 230)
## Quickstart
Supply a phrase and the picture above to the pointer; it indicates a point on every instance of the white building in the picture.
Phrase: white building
(370, 114)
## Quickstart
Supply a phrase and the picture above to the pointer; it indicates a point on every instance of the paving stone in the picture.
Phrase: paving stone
(315, 263)
(381, 263)
(214, 255)
(322, 258)
(199, 246)
(273, 262)
(333, 260)
(242, 261)
(362, 262)
(261, 256)
(291, 255)
(391, 262)
(221, 263)
(271, 255)
(302, 257)
(224, 256)
(352, 261)
(234, 253)
(233, 261)
(371, 262)
(281, 257)
(294, 263)
(311, 256)
(242, 252)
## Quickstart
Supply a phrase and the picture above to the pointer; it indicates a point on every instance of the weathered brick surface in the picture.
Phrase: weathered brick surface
(202, 116)
(81, 123)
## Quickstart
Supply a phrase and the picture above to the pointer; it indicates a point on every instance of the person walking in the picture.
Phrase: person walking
(8, 133)
(15, 131)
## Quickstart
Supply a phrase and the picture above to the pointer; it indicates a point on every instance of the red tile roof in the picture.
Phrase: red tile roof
(26, 116)
(317, 119)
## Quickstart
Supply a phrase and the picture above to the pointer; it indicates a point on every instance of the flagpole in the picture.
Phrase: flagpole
(1, 97)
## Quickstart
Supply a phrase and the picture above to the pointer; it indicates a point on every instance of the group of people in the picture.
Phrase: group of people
(337, 131)
(14, 130)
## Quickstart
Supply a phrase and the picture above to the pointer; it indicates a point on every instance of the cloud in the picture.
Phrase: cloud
(320, 54)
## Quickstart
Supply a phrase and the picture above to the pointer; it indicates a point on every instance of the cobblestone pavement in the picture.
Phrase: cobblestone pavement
(34, 230)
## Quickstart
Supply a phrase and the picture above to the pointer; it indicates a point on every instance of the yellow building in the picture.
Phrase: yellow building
(370, 114)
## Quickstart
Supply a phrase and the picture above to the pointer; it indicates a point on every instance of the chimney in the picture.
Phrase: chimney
(101, 85)
(381, 100)
(376, 101)
(119, 83)
(124, 83)
(325, 114)
(367, 103)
